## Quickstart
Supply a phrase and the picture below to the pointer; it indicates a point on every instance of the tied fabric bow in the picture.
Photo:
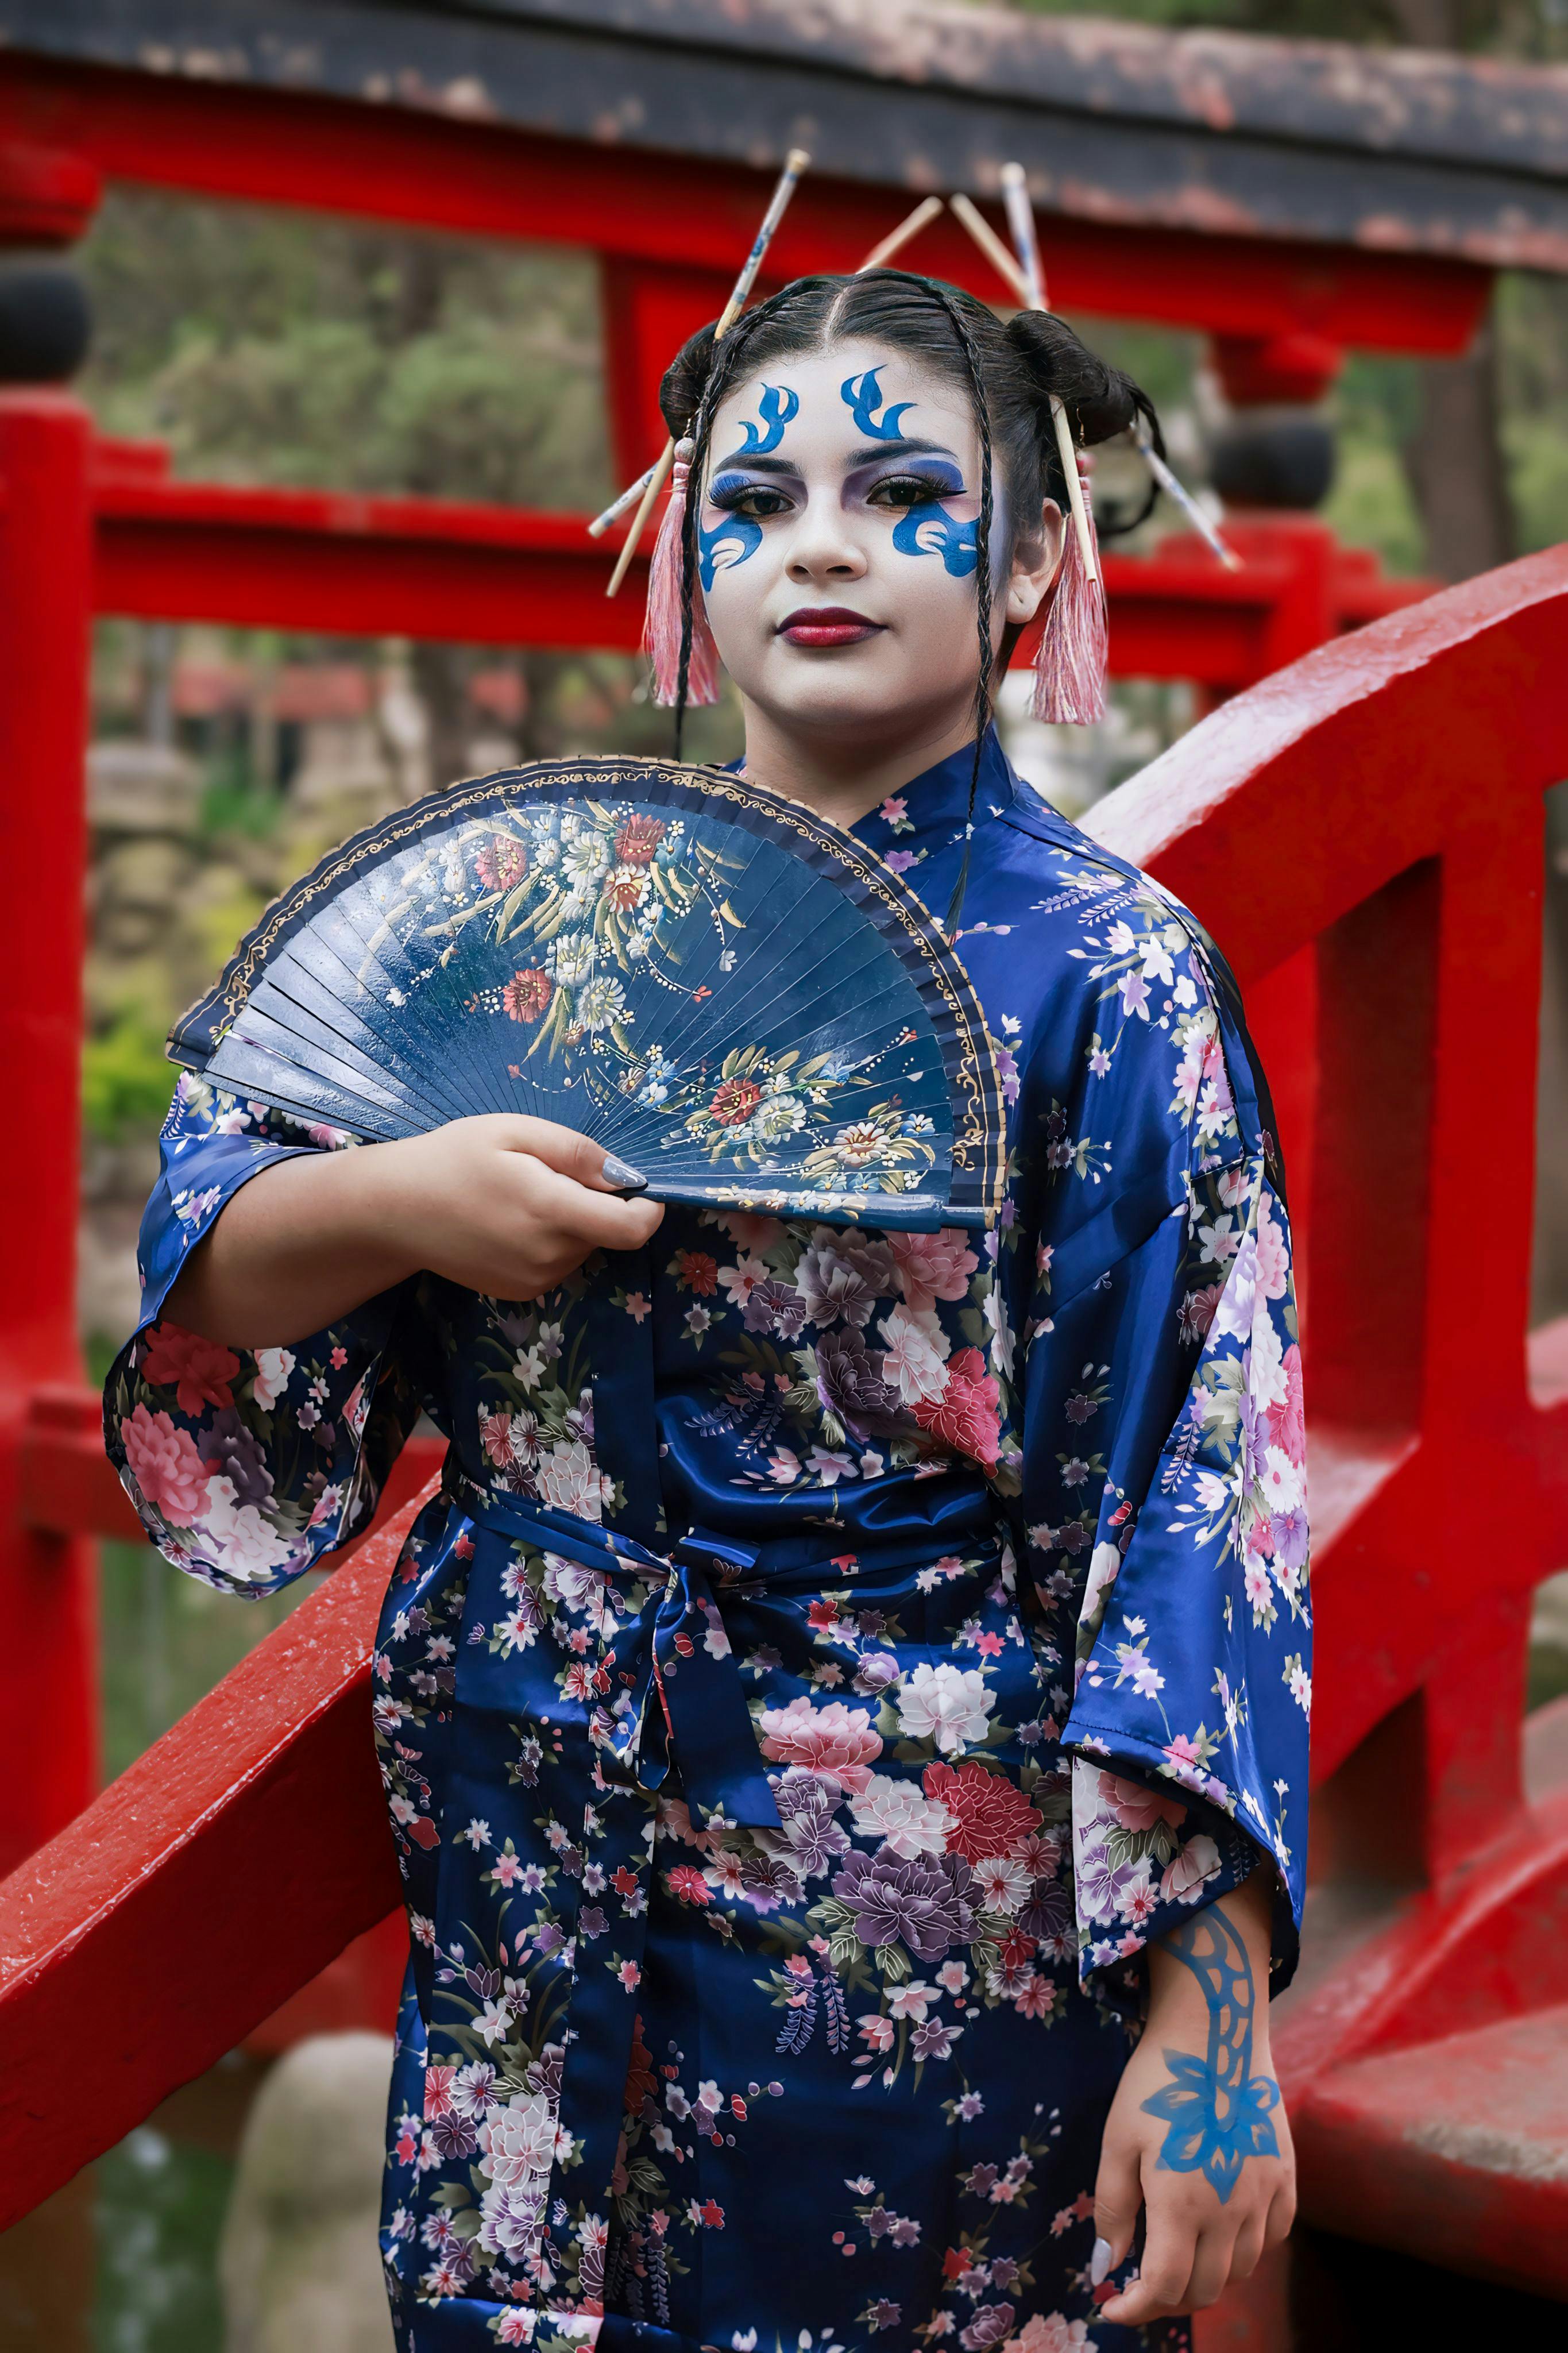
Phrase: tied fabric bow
(686, 1658)
(683, 1705)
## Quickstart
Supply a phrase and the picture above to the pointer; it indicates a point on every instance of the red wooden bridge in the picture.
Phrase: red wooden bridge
(1360, 822)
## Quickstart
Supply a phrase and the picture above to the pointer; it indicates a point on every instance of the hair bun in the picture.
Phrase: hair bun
(685, 380)
(1098, 399)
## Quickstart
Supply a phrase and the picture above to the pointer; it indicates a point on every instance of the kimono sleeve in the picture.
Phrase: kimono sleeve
(246, 1467)
(1164, 1508)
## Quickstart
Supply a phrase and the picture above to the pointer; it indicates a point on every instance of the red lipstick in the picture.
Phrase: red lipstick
(828, 625)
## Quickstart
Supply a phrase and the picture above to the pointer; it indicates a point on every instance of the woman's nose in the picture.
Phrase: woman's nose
(822, 547)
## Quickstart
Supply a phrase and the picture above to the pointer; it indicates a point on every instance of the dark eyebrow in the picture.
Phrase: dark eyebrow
(904, 447)
(756, 465)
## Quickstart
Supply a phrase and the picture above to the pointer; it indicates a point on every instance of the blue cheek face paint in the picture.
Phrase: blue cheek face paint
(863, 397)
(778, 408)
(928, 530)
(732, 539)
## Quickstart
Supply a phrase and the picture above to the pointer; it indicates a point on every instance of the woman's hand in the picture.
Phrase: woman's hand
(505, 1206)
(510, 1207)
(1197, 2134)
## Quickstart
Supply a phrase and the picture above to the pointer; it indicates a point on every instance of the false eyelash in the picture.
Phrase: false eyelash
(931, 484)
(727, 488)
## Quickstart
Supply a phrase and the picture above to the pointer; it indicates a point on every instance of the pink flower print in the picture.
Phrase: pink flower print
(1287, 1422)
(495, 1436)
(1051, 2332)
(501, 863)
(165, 1465)
(835, 1741)
(199, 1371)
(967, 1416)
(932, 1267)
(1190, 1871)
(1137, 1808)
(894, 811)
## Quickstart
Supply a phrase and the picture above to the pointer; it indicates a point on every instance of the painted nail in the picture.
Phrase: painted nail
(623, 1176)
(1100, 2262)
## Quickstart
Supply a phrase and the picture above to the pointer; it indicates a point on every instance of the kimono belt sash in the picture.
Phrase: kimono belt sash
(674, 1647)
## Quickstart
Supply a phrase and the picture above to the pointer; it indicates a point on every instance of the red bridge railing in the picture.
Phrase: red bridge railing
(1365, 833)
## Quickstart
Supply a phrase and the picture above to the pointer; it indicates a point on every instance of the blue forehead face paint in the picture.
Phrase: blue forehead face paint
(928, 530)
(863, 396)
(728, 544)
(778, 408)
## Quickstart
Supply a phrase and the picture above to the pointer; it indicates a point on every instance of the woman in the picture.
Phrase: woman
(798, 2000)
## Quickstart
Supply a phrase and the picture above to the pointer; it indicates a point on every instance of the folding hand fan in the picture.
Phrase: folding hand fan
(728, 992)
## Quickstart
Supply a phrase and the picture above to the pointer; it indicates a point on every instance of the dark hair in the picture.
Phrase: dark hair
(1011, 372)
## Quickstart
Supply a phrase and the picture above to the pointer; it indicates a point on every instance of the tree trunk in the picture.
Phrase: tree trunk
(1455, 463)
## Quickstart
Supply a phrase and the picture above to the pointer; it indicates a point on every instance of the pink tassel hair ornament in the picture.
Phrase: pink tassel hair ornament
(1069, 669)
(662, 629)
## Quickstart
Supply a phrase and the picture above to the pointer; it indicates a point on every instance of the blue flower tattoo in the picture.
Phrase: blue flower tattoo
(863, 394)
(1217, 2109)
(778, 408)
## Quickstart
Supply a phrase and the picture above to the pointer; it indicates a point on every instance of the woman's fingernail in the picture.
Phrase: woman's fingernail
(623, 1176)
(1100, 2262)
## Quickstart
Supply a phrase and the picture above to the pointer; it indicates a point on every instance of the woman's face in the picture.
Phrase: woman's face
(837, 542)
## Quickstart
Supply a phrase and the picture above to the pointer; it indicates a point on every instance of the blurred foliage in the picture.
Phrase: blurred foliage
(166, 1640)
(270, 346)
(125, 1079)
(160, 2209)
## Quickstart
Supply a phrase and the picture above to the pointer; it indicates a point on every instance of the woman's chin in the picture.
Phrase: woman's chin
(851, 689)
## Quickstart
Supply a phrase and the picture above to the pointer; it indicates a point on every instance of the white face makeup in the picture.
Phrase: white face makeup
(837, 539)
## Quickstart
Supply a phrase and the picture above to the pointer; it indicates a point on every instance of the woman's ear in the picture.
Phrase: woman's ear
(1036, 562)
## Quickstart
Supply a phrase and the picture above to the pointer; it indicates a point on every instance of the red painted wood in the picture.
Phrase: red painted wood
(1452, 2152)
(389, 162)
(360, 566)
(47, 1600)
(1277, 820)
(359, 1989)
(222, 1871)
(649, 314)
(47, 198)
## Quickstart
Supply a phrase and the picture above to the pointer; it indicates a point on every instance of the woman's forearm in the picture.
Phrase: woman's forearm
(504, 1206)
(299, 1245)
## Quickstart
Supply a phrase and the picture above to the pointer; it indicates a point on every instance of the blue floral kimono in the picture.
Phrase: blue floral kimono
(834, 1655)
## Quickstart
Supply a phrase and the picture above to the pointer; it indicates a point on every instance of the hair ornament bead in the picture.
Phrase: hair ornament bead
(661, 630)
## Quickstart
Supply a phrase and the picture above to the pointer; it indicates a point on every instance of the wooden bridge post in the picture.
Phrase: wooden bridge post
(48, 1597)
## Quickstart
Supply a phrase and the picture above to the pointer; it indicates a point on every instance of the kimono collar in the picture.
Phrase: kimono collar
(921, 826)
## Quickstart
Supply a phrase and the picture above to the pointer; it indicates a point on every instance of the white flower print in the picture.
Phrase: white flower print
(273, 1366)
(945, 1704)
(916, 1355)
(900, 1813)
(570, 1481)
